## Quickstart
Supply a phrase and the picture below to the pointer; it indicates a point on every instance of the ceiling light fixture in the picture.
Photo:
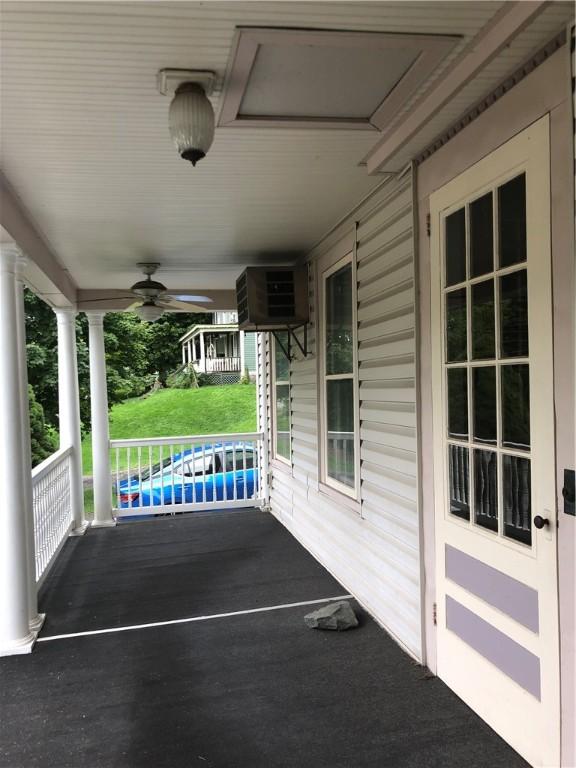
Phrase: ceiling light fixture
(191, 115)
(149, 312)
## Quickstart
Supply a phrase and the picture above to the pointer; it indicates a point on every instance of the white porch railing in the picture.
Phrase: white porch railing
(53, 517)
(166, 475)
(222, 364)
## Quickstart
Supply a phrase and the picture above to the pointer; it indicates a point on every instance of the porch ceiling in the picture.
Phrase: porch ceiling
(86, 147)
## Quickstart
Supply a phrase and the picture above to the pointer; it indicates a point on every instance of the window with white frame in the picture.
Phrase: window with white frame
(340, 378)
(281, 379)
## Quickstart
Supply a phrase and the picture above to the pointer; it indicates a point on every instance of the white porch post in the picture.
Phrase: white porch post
(69, 411)
(190, 355)
(35, 619)
(202, 353)
(15, 634)
(102, 478)
(183, 354)
(241, 344)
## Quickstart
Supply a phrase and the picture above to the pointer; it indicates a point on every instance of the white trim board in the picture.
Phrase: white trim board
(192, 619)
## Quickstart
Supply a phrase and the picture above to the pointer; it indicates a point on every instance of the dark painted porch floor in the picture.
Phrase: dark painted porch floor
(249, 691)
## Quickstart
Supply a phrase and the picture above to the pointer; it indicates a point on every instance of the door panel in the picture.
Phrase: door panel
(496, 573)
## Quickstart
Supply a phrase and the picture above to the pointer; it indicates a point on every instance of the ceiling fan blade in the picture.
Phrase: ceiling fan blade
(194, 298)
(180, 306)
(107, 298)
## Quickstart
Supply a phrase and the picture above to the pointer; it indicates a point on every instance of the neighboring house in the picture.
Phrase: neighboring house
(220, 350)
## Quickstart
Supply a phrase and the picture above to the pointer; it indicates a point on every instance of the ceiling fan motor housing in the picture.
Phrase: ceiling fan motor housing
(148, 289)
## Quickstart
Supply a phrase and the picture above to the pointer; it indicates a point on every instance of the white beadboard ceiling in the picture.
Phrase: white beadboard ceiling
(85, 140)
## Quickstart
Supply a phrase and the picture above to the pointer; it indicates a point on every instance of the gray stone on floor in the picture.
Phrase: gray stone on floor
(337, 616)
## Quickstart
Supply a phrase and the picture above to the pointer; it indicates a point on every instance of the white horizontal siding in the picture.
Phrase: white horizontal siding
(375, 552)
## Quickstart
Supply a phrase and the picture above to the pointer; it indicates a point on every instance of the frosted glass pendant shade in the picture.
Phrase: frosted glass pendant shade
(149, 313)
(191, 121)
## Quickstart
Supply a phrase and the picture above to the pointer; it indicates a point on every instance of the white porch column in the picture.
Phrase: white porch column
(102, 478)
(202, 353)
(35, 619)
(241, 344)
(190, 355)
(183, 354)
(15, 634)
(69, 411)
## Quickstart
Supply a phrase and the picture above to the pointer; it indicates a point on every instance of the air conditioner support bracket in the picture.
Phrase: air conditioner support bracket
(303, 347)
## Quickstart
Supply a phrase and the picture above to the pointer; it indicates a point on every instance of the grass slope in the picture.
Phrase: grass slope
(175, 412)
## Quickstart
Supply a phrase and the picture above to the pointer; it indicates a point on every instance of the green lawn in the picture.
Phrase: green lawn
(174, 412)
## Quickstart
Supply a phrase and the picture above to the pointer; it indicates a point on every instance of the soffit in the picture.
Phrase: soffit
(86, 147)
(85, 140)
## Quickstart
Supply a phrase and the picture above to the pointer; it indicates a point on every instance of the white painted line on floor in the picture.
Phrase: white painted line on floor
(190, 620)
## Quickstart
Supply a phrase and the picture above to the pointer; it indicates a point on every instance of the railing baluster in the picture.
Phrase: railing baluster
(183, 499)
(234, 471)
(139, 475)
(244, 475)
(150, 499)
(171, 478)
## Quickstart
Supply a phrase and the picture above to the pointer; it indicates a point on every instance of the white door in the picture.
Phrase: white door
(497, 603)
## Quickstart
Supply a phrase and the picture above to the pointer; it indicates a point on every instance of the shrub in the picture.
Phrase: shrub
(184, 377)
(43, 438)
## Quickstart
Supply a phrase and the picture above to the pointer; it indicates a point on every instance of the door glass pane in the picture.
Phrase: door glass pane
(340, 416)
(514, 315)
(486, 489)
(515, 406)
(516, 496)
(339, 336)
(283, 420)
(512, 221)
(481, 236)
(458, 403)
(456, 333)
(456, 247)
(459, 481)
(484, 404)
(483, 344)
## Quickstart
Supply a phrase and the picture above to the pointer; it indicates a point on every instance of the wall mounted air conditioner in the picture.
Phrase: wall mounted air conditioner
(272, 298)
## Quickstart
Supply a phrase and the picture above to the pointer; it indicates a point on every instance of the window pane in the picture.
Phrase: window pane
(512, 221)
(283, 420)
(486, 489)
(515, 406)
(458, 403)
(340, 418)
(456, 247)
(516, 495)
(483, 344)
(282, 364)
(459, 481)
(456, 333)
(484, 404)
(481, 236)
(514, 315)
(339, 335)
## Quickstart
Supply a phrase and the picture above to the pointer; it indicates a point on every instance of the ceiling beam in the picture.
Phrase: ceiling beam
(16, 220)
(504, 26)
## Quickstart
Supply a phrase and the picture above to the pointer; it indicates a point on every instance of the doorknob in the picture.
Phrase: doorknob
(541, 522)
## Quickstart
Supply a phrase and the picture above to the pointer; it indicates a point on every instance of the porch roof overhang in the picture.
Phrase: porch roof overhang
(196, 330)
(91, 184)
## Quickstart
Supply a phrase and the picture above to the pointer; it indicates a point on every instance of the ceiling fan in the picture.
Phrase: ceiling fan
(153, 298)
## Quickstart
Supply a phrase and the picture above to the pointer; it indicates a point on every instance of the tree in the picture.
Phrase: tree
(164, 352)
(135, 353)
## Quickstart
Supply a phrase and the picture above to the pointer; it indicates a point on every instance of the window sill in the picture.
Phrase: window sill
(341, 498)
(283, 466)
